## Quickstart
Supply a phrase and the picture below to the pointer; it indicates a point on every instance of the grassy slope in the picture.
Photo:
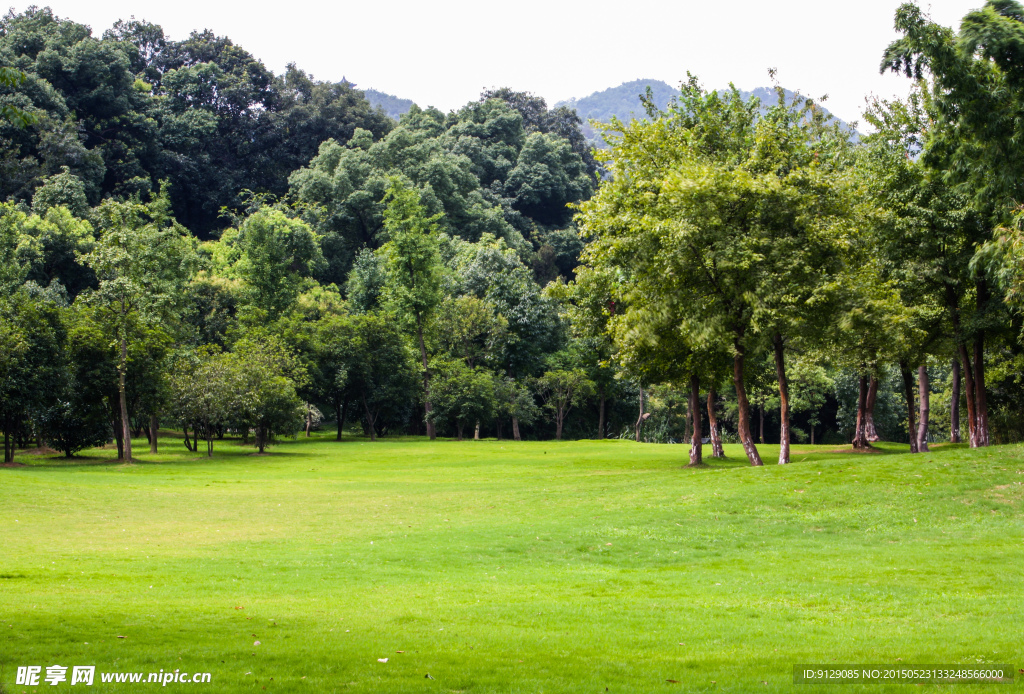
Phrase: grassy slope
(511, 567)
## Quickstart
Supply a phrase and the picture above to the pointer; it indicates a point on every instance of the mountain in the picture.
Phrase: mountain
(624, 102)
(393, 106)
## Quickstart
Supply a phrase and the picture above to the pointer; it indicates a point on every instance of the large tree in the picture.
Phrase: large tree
(414, 267)
(141, 261)
(732, 213)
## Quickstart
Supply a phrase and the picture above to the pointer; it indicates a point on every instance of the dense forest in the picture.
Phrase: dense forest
(193, 243)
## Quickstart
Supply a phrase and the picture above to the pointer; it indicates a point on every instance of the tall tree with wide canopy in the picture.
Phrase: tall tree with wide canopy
(413, 260)
(141, 261)
(734, 213)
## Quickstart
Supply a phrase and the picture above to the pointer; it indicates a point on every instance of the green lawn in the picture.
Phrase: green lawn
(496, 566)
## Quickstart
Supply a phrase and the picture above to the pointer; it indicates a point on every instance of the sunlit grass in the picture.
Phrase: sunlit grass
(509, 567)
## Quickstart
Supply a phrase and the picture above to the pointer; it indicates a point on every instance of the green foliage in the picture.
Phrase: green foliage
(262, 376)
(31, 375)
(486, 168)
(72, 425)
(52, 246)
(131, 108)
(379, 371)
(561, 390)
(277, 254)
(411, 253)
(203, 396)
(461, 395)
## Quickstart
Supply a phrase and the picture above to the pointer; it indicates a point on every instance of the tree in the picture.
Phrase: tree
(262, 375)
(463, 396)
(202, 395)
(414, 269)
(31, 345)
(468, 328)
(975, 96)
(277, 253)
(732, 217)
(561, 390)
(9, 77)
(379, 371)
(71, 424)
(141, 261)
(514, 400)
(51, 247)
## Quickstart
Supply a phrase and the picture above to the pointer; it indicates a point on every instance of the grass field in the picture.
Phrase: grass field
(510, 567)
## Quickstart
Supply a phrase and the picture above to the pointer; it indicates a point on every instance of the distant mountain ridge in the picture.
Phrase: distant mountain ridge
(394, 106)
(624, 102)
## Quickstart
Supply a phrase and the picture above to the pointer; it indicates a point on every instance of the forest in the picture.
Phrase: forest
(192, 243)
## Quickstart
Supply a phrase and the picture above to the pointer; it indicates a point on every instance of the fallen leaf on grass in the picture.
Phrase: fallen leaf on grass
(672, 681)
(382, 660)
(122, 637)
(239, 608)
(399, 651)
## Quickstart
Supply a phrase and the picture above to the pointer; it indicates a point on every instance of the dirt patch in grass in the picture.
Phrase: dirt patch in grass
(41, 450)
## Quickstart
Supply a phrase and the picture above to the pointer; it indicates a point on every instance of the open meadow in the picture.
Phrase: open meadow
(497, 566)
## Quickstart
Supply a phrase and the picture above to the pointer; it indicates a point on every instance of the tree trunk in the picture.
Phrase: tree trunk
(600, 416)
(954, 404)
(515, 429)
(209, 442)
(688, 423)
(760, 427)
(923, 399)
(431, 434)
(559, 421)
(369, 422)
(696, 445)
(746, 438)
(860, 437)
(869, 411)
(8, 448)
(118, 433)
(972, 415)
(716, 437)
(640, 419)
(154, 430)
(309, 419)
(812, 434)
(188, 442)
(908, 394)
(195, 439)
(476, 431)
(458, 430)
(122, 367)
(261, 438)
(780, 372)
(981, 401)
(337, 420)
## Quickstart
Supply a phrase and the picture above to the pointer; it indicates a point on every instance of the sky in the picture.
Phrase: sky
(443, 53)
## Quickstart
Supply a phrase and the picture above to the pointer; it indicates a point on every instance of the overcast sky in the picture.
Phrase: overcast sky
(443, 53)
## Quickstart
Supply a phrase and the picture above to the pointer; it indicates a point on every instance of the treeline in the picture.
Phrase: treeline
(191, 242)
(729, 235)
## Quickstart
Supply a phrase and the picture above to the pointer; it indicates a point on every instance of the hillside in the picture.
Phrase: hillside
(392, 105)
(624, 102)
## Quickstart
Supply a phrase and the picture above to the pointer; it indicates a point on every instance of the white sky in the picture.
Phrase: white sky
(443, 53)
